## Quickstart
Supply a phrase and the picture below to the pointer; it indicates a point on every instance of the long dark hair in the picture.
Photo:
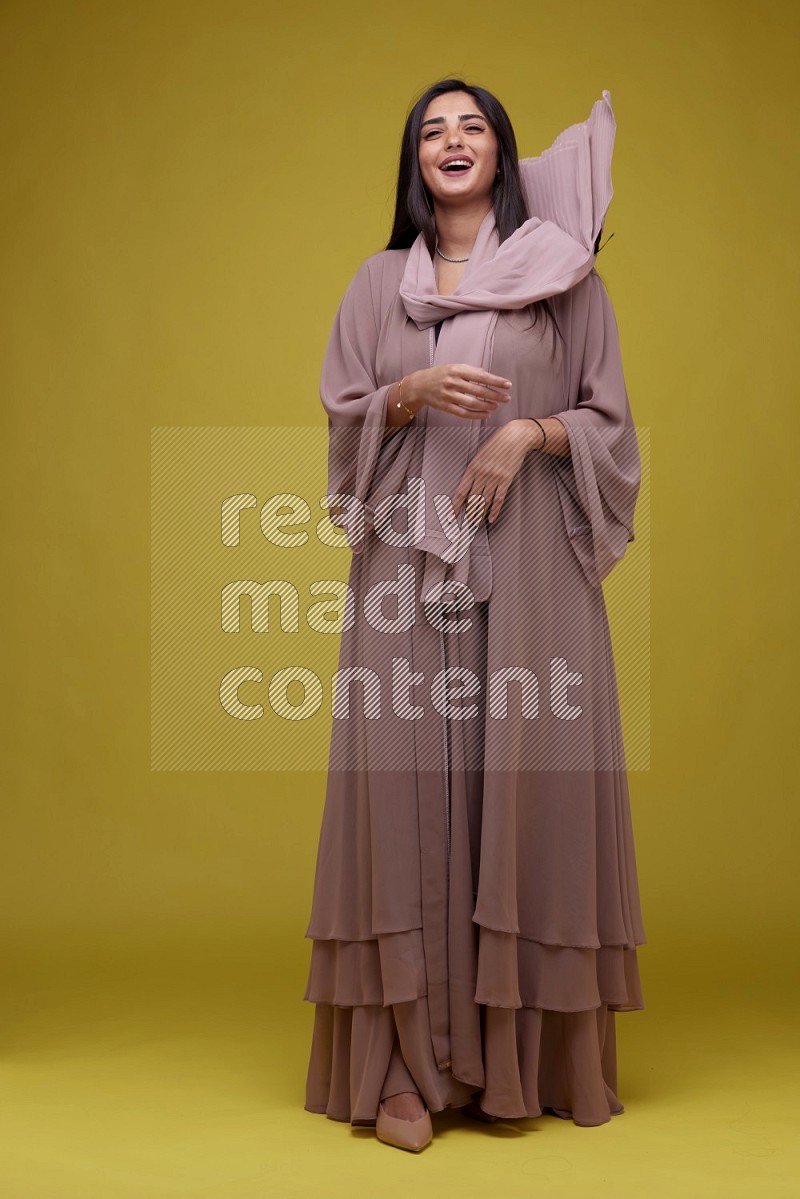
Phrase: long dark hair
(413, 204)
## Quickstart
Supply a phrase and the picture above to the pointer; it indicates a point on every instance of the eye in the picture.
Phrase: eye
(471, 128)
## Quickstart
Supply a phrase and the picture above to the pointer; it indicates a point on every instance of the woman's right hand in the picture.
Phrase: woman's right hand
(457, 387)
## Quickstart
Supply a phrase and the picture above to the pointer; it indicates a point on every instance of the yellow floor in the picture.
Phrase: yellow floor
(173, 1075)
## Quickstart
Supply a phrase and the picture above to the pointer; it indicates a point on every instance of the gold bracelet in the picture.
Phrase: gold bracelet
(400, 403)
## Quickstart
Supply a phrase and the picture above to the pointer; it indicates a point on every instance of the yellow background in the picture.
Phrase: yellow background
(186, 190)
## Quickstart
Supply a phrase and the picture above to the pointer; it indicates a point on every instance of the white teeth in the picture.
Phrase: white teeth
(457, 162)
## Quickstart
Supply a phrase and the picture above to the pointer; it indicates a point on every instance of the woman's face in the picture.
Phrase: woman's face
(454, 127)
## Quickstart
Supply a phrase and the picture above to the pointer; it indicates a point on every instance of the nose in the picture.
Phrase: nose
(454, 138)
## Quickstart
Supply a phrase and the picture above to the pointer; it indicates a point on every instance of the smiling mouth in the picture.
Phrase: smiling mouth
(457, 169)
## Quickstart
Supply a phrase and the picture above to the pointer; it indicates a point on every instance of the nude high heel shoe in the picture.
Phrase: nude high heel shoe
(404, 1134)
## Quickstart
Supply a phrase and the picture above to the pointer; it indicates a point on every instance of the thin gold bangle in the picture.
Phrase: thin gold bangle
(400, 403)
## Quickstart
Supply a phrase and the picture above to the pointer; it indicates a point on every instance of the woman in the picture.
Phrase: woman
(476, 911)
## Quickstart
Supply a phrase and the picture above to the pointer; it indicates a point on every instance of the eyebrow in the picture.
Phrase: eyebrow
(466, 116)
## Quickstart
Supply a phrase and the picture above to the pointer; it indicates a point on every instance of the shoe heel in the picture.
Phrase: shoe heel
(475, 1112)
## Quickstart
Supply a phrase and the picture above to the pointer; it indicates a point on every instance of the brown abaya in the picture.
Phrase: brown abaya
(475, 915)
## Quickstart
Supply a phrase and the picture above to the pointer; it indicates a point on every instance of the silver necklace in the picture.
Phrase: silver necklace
(441, 255)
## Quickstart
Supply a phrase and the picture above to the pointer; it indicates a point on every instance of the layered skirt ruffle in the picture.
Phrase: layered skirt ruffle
(536, 1032)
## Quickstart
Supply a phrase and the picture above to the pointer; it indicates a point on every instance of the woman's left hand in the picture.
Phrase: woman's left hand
(495, 465)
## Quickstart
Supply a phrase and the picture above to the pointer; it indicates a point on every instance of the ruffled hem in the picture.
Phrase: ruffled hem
(362, 1054)
(532, 1026)
(511, 972)
(536, 1061)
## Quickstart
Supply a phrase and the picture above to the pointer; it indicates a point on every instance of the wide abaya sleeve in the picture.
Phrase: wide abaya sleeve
(360, 451)
(599, 482)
